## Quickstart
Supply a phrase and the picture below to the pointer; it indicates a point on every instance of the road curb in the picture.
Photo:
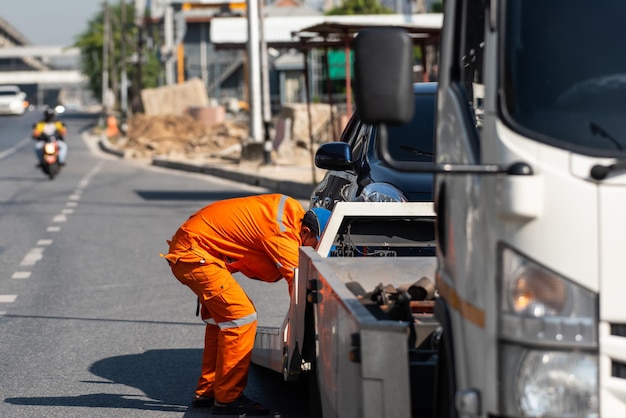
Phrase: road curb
(299, 190)
(107, 147)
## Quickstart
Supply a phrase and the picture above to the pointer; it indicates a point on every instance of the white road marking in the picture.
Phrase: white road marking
(59, 218)
(7, 298)
(21, 275)
(75, 197)
(44, 242)
(67, 211)
(71, 204)
(53, 229)
(14, 148)
(32, 257)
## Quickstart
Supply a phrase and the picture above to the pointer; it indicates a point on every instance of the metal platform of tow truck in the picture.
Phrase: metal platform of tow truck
(356, 246)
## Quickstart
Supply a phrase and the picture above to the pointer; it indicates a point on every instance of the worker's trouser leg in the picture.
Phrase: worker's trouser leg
(230, 331)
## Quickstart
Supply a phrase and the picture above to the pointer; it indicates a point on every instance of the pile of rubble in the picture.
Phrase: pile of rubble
(181, 123)
(180, 137)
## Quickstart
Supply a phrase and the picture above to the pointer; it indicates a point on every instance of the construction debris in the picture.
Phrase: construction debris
(175, 99)
(204, 133)
(179, 137)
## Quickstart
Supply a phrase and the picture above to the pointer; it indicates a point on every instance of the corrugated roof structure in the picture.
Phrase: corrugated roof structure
(286, 32)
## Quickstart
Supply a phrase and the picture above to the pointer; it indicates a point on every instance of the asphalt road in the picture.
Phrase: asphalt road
(92, 323)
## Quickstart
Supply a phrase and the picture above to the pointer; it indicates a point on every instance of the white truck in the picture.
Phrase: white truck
(530, 197)
(356, 328)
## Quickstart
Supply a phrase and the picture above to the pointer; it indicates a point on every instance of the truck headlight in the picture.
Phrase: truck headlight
(548, 347)
(552, 383)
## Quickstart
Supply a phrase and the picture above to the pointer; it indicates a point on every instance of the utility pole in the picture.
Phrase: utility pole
(124, 74)
(254, 72)
(105, 60)
(168, 23)
(140, 22)
(265, 80)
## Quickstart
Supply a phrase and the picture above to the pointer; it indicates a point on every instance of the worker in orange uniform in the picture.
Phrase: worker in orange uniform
(258, 236)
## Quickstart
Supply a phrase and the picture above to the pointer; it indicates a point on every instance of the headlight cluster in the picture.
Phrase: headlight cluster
(548, 342)
(381, 192)
(558, 383)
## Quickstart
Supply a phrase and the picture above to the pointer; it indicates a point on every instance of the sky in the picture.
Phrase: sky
(50, 22)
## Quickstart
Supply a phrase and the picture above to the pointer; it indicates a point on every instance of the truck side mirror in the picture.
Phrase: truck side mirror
(383, 73)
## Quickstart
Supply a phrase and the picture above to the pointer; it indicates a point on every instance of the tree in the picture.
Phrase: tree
(437, 7)
(91, 41)
(360, 7)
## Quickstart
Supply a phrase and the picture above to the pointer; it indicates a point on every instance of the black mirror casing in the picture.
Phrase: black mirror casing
(383, 72)
(334, 156)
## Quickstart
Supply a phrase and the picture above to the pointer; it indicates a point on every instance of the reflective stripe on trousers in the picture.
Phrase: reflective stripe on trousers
(233, 324)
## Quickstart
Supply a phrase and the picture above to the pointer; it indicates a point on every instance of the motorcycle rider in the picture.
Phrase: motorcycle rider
(49, 126)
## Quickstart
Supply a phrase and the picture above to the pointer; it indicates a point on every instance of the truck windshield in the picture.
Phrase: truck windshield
(564, 79)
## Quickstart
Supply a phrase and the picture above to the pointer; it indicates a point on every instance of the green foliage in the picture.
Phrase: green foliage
(360, 7)
(90, 42)
(417, 53)
(437, 7)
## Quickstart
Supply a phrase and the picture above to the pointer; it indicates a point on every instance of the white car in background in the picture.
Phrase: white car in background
(12, 100)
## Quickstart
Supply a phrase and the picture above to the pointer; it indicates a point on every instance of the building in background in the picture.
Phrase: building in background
(48, 75)
(207, 39)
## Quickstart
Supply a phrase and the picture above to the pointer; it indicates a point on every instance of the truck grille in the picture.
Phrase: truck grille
(618, 369)
(618, 330)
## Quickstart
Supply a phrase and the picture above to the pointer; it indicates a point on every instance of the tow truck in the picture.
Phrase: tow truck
(360, 326)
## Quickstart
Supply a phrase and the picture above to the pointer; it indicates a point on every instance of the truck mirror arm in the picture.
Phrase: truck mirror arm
(600, 172)
(514, 169)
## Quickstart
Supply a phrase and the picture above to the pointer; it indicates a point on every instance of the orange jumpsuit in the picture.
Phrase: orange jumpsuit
(258, 236)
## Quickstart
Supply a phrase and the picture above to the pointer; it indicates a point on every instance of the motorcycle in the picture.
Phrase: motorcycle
(50, 158)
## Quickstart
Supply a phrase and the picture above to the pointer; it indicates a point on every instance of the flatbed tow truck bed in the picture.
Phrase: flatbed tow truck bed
(350, 323)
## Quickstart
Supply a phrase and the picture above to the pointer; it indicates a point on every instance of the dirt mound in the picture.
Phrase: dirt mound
(178, 136)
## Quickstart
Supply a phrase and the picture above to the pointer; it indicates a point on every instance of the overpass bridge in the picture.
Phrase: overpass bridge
(47, 74)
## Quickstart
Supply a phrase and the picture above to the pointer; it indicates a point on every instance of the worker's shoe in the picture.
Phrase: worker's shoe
(202, 402)
(241, 406)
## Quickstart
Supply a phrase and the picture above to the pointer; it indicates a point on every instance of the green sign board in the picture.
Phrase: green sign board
(337, 65)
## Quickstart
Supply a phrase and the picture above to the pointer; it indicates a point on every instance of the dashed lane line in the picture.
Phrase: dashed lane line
(14, 148)
(60, 218)
(6, 299)
(21, 275)
(31, 258)
(36, 254)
